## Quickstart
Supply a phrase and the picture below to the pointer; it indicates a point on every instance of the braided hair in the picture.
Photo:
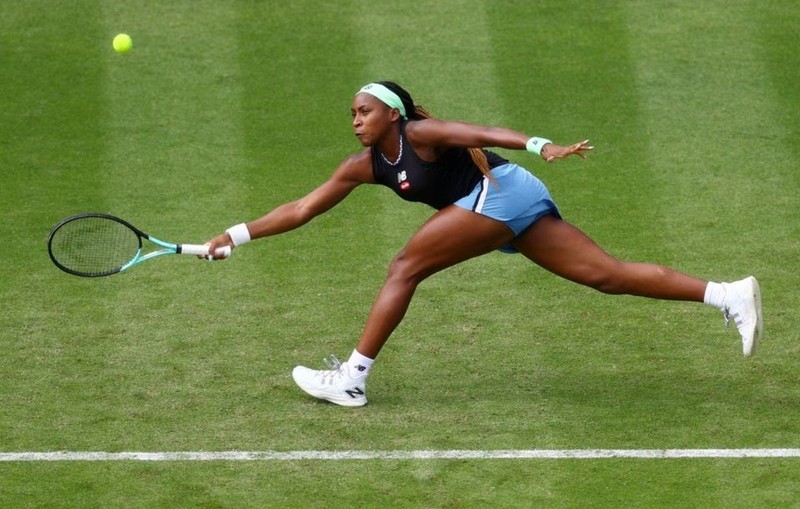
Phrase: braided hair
(415, 112)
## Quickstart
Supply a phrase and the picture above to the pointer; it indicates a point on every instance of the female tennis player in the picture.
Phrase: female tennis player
(484, 203)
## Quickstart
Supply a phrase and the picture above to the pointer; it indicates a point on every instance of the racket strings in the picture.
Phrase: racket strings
(94, 245)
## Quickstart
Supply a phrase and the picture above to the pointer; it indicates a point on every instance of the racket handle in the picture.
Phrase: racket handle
(202, 250)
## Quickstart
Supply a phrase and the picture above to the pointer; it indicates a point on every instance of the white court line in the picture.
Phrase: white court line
(550, 454)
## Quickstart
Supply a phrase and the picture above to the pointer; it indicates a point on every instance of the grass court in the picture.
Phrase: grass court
(226, 109)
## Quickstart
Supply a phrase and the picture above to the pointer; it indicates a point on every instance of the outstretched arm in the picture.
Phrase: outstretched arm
(354, 171)
(434, 134)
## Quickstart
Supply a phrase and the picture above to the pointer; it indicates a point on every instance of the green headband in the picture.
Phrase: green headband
(386, 96)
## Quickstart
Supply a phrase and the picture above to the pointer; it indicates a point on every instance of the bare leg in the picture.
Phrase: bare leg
(566, 251)
(450, 236)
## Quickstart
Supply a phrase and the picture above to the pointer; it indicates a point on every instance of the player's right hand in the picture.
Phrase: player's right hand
(214, 247)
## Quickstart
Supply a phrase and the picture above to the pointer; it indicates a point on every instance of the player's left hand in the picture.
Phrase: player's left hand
(551, 151)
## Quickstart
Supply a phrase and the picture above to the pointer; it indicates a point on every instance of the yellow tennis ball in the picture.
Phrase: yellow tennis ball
(122, 43)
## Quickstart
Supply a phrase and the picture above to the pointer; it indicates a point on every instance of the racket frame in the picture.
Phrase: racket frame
(166, 247)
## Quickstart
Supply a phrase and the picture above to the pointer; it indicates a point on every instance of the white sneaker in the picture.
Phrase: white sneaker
(743, 304)
(334, 385)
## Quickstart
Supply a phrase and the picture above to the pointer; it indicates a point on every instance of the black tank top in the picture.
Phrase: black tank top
(437, 183)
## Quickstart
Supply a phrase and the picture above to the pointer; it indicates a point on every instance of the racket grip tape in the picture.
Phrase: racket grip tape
(202, 250)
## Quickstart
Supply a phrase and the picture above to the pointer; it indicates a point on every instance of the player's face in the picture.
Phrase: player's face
(371, 118)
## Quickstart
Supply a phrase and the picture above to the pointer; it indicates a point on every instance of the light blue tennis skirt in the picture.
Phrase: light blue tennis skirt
(516, 198)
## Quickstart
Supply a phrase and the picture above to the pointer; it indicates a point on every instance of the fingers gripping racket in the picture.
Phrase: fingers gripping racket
(92, 245)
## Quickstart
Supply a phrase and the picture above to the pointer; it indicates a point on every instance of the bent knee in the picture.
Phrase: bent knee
(602, 282)
(406, 269)
(610, 279)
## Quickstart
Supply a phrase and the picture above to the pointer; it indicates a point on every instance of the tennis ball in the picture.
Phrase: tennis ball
(122, 43)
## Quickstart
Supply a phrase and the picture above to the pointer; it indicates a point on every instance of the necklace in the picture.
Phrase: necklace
(399, 155)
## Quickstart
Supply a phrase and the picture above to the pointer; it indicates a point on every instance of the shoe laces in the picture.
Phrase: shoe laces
(335, 370)
(333, 364)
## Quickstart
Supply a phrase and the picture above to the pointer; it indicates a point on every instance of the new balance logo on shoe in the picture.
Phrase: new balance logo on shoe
(354, 392)
(361, 368)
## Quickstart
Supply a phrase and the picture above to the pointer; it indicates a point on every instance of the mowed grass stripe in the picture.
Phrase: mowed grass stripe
(568, 78)
(49, 122)
(715, 143)
(52, 144)
(462, 49)
(172, 122)
(721, 146)
(707, 103)
(775, 29)
(123, 351)
(299, 72)
(776, 32)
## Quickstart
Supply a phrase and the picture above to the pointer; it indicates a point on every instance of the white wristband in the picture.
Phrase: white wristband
(239, 234)
(536, 145)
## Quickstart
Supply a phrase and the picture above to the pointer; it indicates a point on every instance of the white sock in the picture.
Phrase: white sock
(359, 364)
(715, 295)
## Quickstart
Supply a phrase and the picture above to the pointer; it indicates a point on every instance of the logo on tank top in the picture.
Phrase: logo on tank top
(402, 179)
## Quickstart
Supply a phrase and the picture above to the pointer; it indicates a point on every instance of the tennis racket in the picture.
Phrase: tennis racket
(93, 245)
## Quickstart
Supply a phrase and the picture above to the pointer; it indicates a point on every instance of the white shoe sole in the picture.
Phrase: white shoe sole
(759, 330)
